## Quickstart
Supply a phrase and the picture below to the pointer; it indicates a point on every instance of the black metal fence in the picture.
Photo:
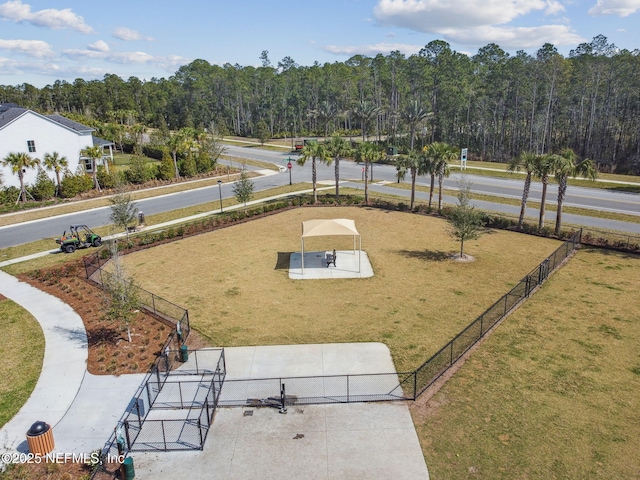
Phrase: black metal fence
(606, 239)
(152, 303)
(447, 356)
(174, 407)
(374, 387)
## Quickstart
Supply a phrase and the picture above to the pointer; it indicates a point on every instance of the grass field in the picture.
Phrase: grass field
(238, 293)
(22, 351)
(553, 393)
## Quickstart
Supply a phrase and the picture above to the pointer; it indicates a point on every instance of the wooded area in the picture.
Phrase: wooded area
(498, 105)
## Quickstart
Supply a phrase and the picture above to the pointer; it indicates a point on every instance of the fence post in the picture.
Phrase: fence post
(506, 300)
(153, 303)
(180, 390)
(126, 433)
(481, 324)
(137, 404)
(164, 436)
(200, 432)
(347, 388)
(415, 384)
(451, 353)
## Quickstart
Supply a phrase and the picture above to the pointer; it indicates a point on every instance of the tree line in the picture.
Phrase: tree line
(496, 104)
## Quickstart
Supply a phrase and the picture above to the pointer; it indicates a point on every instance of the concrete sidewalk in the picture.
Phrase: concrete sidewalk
(64, 365)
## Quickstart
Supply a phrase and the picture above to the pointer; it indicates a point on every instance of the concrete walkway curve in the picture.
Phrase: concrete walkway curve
(64, 364)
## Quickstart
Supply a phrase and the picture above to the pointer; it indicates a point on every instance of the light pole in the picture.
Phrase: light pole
(220, 191)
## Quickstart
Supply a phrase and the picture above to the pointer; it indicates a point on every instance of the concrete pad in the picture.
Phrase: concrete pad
(64, 365)
(373, 441)
(334, 441)
(94, 413)
(349, 264)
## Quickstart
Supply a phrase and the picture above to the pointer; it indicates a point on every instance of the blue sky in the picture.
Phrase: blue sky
(44, 41)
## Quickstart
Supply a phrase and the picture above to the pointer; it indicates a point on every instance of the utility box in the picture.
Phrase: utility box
(40, 438)
(392, 150)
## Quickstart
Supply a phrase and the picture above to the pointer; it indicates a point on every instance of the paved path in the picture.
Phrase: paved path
(64, 365)
(82, 408)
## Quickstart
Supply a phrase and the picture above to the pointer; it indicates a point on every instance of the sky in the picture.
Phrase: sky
(45, 41)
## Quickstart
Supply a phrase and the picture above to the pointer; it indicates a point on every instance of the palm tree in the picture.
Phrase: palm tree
(542, 170)
(326, 112)
(19, 162)
(413, 115)
(174, 144)
(365, 112)
(368, 152)
(442, 153)
(94, 153)
(412, 163)
(565, 166)
(429, 166)
(138, 130)
(338, 148)
(313, 151)
(53, 161)
(527, 162)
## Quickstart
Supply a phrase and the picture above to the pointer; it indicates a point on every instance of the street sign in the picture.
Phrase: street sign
(463, 159)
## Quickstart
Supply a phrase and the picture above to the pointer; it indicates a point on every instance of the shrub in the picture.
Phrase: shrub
(138, 171)
(72, 184)
(108, 179)
(44, 188)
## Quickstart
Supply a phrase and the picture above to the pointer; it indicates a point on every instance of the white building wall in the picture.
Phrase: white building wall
(48, 136)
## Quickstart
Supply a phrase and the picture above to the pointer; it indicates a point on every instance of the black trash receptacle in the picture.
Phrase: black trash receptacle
(184, 353)
(129, 471)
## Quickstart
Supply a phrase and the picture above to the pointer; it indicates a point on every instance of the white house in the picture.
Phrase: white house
(26, 131)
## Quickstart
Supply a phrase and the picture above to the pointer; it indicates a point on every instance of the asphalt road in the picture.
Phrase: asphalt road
(596, 199)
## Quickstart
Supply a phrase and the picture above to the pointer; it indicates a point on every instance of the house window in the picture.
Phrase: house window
(31, 145)
(88, 165)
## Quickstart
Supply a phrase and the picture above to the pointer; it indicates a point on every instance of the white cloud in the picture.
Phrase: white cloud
(99, 46)
(430, 16)
(33, 48)
(115, 57)
(621, 8)
(64, 19)
(138, 58)
(477, 22)
(517, 37)
(372, 50)
(124, 33)
(12, 67)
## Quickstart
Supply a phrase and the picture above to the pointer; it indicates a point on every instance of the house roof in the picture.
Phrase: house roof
(101, 142)
(10, 115)
(6, 106)
(78, 127)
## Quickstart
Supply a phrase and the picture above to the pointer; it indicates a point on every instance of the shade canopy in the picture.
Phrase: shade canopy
(336, 226)
(331, 227)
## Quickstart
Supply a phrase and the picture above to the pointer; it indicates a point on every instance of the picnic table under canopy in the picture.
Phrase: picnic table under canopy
(331, 227)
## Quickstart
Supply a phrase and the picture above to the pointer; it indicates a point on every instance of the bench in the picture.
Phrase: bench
(331, 259)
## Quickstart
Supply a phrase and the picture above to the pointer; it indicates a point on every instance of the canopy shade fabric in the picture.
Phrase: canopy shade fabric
(336, 226)
(330, 227)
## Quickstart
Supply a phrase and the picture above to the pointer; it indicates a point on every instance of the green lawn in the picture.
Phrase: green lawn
(417, 300)
(22, 351)
(553, 393)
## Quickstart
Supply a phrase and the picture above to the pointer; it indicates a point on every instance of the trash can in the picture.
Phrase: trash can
(129, 471)
(40, 438)
(184, 353)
